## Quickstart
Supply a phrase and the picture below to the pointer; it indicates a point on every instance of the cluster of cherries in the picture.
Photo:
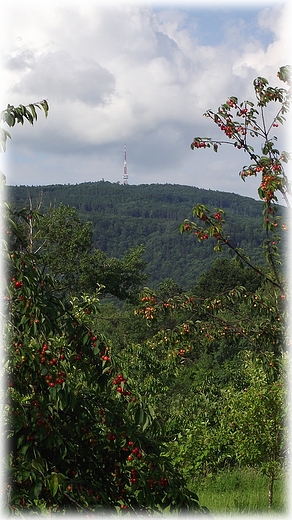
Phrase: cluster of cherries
(135, 451)
(105, 355)
(201, 144)
(148, 299)
(133, 478)
(268, 185)
(105, 352)
(61, 375)
(119, 382)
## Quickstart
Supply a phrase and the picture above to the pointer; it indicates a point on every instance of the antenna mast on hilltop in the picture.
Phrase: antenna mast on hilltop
(125, 173)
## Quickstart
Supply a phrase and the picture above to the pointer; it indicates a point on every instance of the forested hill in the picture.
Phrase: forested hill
(124, 216)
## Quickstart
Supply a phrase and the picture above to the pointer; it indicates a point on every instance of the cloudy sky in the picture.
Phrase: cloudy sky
(140, 73)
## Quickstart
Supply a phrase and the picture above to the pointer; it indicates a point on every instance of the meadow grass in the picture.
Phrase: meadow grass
(240, 491)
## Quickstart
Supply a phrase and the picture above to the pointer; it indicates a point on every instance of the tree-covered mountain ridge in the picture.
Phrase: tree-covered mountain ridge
(126, 216)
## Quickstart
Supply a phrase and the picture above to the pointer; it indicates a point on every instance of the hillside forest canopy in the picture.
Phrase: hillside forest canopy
(122, 398)
(145, 218)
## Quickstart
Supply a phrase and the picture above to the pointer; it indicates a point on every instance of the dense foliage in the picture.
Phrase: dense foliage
(63, 246)
(124, 217)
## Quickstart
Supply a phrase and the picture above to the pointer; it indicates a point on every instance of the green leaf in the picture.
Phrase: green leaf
(53, 484)
(36, 489)
(9, 119)
(20, 440)
(182, 228)
(28, 115)
(140, 497)
(72, 401)
(24, 449)
(85, 339)
(45, 106)
(53, 393)
(284, 73)
(33, 111)
(38, 464)
(139, 416)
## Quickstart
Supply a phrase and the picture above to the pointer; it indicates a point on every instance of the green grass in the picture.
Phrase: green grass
(238, 491)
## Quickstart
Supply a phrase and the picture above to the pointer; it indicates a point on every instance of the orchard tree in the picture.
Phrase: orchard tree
(259, 409)
(62, 241)
(258, 423)
(241, 122)
(63, 244)
(78, 439)
(248, 315)
(240, 424)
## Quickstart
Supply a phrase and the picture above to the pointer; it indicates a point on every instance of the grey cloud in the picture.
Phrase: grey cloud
(59, 76)
(21, 60)
(166, 46)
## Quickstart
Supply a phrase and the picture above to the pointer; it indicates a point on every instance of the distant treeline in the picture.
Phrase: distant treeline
(124, 216)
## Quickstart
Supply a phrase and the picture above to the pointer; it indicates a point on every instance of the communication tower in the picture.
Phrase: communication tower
(125, 173)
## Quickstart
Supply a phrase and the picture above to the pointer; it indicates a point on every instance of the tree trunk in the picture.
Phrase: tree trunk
(271, 489)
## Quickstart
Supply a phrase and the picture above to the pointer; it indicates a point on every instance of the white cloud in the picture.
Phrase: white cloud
(265, 61)
(57, 75)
